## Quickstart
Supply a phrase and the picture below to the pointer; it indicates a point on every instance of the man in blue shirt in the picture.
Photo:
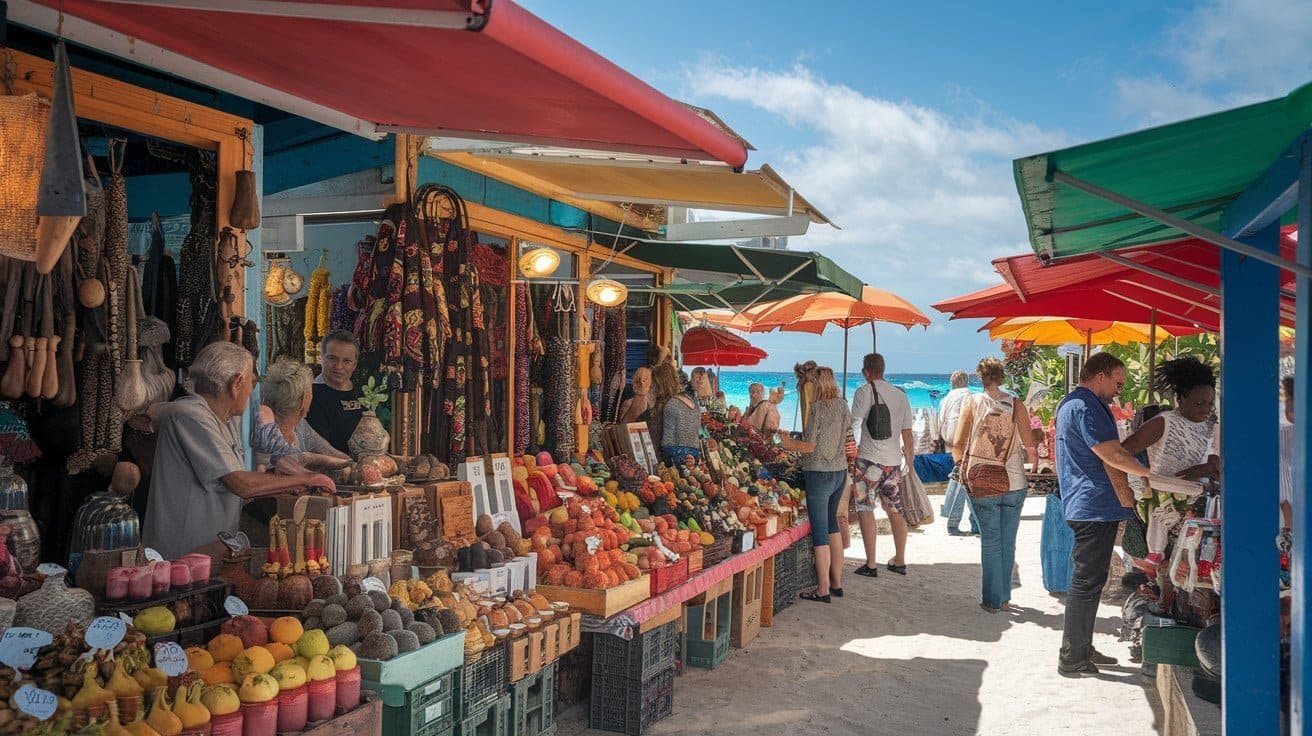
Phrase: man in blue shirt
(1091, 475)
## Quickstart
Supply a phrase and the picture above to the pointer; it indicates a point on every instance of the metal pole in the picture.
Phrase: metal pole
(1152, 356)
(874, 339)
(845, 329)
(1088, 344)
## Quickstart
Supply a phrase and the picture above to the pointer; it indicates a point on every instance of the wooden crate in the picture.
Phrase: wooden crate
(661, 619)
(524, 655)
(603, 603)
(550, 643)
(366, 720)
(715, 591)
(747, 596)
(767, 592)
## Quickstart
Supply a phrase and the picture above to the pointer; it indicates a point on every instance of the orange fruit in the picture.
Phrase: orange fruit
(199, 659)
(286, 630)
(280, 651)
(219, 674)
(225, 647)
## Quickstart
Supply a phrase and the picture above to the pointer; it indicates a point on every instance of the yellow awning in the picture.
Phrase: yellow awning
(609, 180)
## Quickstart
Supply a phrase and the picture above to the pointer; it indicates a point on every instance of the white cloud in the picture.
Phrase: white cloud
(1221, 54)
(925, 198)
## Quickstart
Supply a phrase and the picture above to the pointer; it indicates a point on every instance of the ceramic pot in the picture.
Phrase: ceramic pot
(369, 437)
(54, 605)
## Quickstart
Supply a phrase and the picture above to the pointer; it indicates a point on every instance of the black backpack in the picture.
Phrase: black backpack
(879, 421)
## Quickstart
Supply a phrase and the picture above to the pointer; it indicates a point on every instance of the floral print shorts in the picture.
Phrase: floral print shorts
(871, 480)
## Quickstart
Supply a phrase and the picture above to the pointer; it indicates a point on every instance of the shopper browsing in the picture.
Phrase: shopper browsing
(948, 413)
(824, 463)
(882, 414)
(1091, 476)
(993, 430)
(761, 413)
(200, 478)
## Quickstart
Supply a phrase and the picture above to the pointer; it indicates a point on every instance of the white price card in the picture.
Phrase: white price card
(50, 568)
(235, 606)
(105, 632)
(373, 583)
(170, 658)
(38, 703)
(153, 556)
(19, 646)
(125, 618)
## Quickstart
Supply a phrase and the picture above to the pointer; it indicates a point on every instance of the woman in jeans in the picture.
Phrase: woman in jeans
(996, 425)
(824, 448)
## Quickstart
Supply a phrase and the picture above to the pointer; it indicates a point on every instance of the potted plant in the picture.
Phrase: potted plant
(370, 437)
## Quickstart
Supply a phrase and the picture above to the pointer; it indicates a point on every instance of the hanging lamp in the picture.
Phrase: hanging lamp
(539, 263)
(607, 292)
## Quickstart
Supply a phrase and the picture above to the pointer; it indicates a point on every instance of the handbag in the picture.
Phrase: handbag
(916, 508)
(992, 436)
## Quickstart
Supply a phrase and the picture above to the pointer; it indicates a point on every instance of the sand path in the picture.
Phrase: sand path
(913, 655)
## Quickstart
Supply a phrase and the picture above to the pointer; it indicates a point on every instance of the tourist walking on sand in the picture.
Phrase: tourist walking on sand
(882, 414)
(824, 464)
(1091, 477)
(992, 442)
(949, 411)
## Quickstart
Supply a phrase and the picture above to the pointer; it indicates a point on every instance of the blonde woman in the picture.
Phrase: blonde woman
(283, 432)
(993, 428)
(824, 448)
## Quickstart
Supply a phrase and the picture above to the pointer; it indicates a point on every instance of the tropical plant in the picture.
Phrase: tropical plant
(373, 394)
(1138, 362)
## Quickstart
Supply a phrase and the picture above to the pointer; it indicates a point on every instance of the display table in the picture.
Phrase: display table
(627, 622)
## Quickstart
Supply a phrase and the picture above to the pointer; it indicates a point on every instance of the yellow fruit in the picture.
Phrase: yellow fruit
(321, 668)
(289, 676)
(257, 688)
(304, 662)
(559, 515)
(312, 643)
(161, 718)
(286, 630)
(155, 621)
(343, 658)
(707, 539)
(252, 661)
(225, 647)
(281, 652)
(199, 659)
(220, 699)
(219, 674)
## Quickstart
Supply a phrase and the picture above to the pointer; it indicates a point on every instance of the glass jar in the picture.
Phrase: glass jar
(105, 522)
(24, 538)
(13, 489)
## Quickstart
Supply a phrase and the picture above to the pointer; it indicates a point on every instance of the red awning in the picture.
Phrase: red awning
(711, 346)
(483, 69)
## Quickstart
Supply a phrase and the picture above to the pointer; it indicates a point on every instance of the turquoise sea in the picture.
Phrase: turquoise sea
(924, 389)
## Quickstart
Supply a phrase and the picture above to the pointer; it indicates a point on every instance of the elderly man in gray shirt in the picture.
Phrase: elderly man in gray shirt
(200, 475)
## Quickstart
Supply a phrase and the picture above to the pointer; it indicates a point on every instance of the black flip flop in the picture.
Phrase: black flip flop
(836, 592)
(810, 596)
(899, 569)
(868, 571)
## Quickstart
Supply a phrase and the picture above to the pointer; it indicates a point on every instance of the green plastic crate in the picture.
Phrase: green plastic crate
(1170, 645)
(428, 710)
(707, 654)
(532, 703)
(492, 719)
(399, 675)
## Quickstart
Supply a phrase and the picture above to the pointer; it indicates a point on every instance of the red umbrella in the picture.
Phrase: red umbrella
(709, 346)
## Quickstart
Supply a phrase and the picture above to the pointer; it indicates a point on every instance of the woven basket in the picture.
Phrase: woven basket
(718, 552)
(23, 120)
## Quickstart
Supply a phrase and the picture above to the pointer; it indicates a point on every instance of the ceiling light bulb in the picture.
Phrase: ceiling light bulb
(607, 292)
(539, 262)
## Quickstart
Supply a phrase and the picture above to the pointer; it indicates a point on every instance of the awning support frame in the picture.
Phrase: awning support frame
(416, 18)
(1181, 224)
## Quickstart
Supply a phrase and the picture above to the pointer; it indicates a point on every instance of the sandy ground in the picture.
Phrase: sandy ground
(914, 655)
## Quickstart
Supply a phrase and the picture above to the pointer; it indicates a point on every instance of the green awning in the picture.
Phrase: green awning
(1192, 169)
(732, 295)
(795, 272)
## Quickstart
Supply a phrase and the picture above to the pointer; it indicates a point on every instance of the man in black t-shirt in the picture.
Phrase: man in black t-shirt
(336, 410)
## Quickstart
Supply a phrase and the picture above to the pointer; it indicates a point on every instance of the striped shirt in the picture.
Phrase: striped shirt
(1286, 463)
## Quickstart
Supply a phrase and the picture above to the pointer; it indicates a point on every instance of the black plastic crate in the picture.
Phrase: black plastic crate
(785, 586)
(638, 659)
(631, 706)
(481, 680)
(533, 703)
(804, 568)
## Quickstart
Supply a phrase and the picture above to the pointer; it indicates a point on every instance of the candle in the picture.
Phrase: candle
(116, 583)
(161, 572)
(140, 584)
(179, 574)
(200, 567)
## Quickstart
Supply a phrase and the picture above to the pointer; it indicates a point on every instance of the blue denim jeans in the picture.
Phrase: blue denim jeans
(824, 489)
(953, 503)
(999, 519)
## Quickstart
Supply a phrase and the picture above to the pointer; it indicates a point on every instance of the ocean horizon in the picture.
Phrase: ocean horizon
(924, 390)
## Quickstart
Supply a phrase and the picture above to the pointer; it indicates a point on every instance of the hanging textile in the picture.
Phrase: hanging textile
(198, 303)
(614, 358)
(159, 288)
(284, 328)
(523, 351)
(561, 394)
(343, 316)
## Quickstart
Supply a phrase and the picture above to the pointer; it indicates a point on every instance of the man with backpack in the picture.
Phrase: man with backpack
(886, 451)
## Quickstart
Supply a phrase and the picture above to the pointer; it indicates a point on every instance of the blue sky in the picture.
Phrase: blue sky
(900, 120)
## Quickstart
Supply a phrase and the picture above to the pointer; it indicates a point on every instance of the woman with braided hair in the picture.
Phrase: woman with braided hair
(1180, 442)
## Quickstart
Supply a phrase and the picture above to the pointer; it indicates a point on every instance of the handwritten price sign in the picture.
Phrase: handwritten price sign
(170, 658)
(19, 645)
(105, 632)
(38, 703)
(235, 606)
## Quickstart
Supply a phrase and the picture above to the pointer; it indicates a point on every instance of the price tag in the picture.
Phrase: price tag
(238, 542)
(125, 618)
(373, 583)
(50, 568)
(105, 633)
(235, 606)
(153, 556)
(19, 645)
(38, 703)
(170, 658)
